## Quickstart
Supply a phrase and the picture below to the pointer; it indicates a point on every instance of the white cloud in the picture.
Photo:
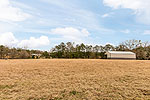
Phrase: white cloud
(147, 32)
(34, 42)
(140, 7)
(10, 13)
(126, 31)
(71, 33)
(8, 39)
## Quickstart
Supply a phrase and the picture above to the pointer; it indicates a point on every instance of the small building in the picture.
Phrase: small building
(35, 56)
(120, 55)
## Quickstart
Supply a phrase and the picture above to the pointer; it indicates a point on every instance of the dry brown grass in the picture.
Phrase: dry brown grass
(74, 80)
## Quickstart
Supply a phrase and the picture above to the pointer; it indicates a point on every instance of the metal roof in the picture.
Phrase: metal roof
(120, 52)
(35, 54)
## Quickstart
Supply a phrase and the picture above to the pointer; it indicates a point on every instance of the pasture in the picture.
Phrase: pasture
(60, 79)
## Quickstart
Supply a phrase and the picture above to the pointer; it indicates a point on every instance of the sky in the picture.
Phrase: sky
(42, 24)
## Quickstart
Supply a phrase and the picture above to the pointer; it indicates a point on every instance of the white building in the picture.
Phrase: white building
(120, 55)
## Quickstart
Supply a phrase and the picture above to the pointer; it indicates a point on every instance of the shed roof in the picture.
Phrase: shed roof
(35, 54)
(120, 52)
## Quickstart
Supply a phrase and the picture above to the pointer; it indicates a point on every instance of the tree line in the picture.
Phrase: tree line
(16, 53)
(71, 50)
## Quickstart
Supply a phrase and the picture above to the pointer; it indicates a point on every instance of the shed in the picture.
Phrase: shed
(120, 55)
(35, 56)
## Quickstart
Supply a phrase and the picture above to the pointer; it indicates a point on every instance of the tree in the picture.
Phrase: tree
(70, 50)
(96, 50)
(121, 47)
(109, 47)
(88, 50)
(13, 53)
(3, 52)
(141, 53)
(132, 44)
(45, 54)
(24, 54)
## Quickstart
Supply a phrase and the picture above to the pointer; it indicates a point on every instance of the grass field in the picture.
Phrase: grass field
(74, 80)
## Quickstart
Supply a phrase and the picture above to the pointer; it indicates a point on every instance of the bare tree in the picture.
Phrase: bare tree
(132, 44)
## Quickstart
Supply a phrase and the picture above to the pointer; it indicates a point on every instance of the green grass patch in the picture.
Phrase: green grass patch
(6, 86)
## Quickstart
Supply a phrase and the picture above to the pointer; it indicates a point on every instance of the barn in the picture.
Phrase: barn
(120, 55)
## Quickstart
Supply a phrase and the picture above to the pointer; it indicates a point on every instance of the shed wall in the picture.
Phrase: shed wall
(121, 56)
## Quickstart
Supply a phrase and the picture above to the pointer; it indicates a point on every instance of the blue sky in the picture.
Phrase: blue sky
(42, 24)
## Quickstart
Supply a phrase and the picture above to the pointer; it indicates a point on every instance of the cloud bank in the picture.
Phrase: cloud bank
(140, 7)
(8, 39)
(11, 13)
(34, 42)
(71, 34)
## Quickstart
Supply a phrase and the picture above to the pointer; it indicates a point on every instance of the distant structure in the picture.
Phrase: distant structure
(35, 56)
(120, 55)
